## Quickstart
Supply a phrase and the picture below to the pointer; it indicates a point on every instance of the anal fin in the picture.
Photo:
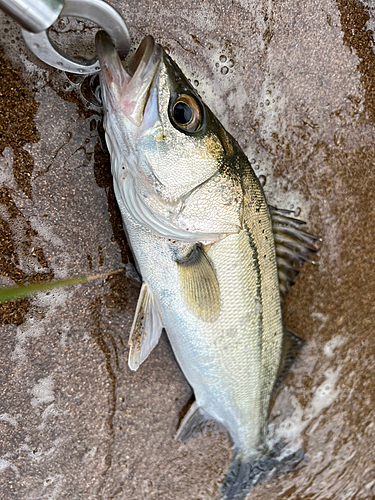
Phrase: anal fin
(146, 328)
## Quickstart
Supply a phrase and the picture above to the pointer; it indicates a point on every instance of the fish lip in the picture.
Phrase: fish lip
(129, 89)
(143, 55)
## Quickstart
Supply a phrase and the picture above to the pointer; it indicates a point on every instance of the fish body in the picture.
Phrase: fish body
(223, 360)
(202, 236)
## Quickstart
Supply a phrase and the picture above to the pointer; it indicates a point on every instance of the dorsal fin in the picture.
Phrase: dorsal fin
(294, 247)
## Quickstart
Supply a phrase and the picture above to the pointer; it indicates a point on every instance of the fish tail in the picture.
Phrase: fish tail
(244, 474)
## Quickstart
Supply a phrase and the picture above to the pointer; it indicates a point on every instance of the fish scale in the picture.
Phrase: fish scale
(247, 358)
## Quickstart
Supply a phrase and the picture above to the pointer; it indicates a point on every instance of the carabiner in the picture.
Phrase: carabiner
(39, 15)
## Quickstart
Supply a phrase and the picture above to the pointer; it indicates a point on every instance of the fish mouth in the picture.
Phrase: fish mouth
(128, 89)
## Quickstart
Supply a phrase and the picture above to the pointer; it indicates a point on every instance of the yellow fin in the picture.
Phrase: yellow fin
(199, 285)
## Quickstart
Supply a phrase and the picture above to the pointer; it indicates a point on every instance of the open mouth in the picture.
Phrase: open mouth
(130, 89)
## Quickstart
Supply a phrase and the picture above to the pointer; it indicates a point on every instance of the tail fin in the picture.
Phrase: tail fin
(244, 475)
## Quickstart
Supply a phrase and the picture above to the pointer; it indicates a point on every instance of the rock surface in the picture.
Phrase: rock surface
(294, 82)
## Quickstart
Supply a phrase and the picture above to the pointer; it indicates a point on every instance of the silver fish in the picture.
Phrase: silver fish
(207, 246)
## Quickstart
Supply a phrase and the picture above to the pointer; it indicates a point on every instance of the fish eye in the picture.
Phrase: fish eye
(186, 113)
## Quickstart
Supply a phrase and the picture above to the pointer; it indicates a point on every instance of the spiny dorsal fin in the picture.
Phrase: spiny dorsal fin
(199, 284)
(146, 328)
(294, 247)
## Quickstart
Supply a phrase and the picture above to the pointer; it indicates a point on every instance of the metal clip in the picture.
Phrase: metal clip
(38, 15)
(33, 15)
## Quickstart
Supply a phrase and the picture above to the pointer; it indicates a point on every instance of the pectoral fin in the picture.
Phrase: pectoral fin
(199, 284)
(146, 328)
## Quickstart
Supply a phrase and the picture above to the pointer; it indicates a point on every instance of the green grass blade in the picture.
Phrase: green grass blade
(18, 292)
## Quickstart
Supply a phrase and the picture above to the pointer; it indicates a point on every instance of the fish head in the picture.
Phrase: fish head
(163, 140)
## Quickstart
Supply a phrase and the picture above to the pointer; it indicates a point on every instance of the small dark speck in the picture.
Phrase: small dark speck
(101, 259)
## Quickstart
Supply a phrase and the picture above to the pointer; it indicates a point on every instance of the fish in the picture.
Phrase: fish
(216, 260)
